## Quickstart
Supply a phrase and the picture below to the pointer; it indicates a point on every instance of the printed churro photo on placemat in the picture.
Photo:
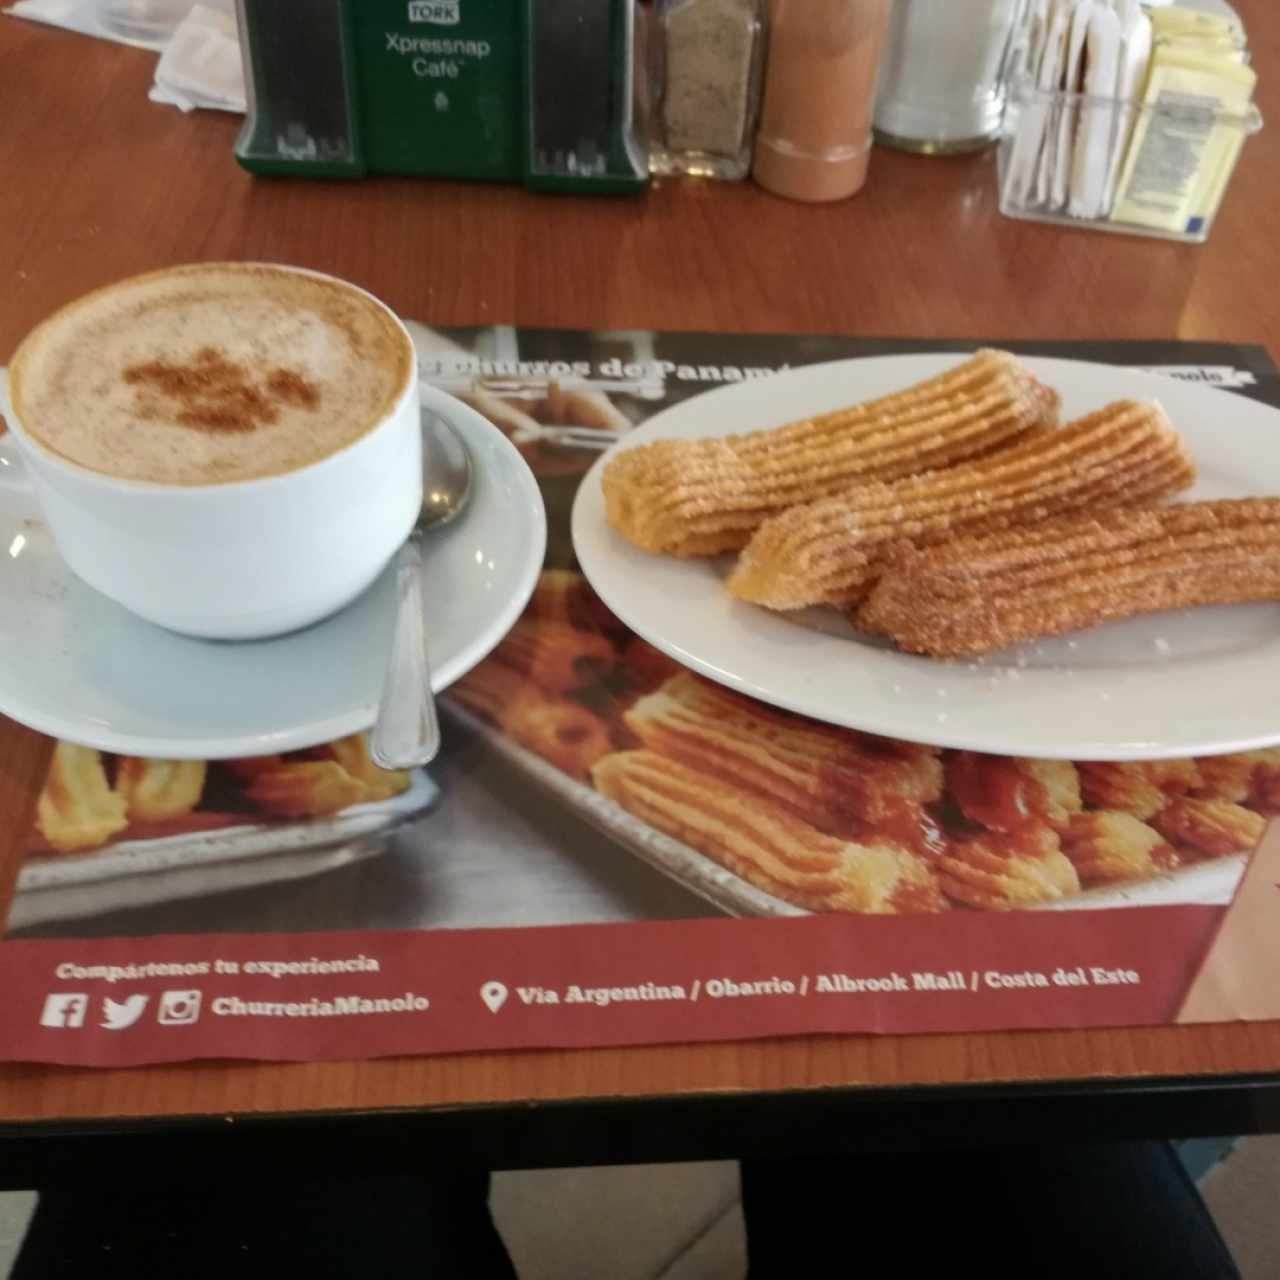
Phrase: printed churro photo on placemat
(117, 831)
(767, 812)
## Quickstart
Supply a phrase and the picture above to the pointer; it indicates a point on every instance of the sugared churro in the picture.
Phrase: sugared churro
(839, 781)
(766, 844)
(979, 594)
(831, 552)
(702, 497)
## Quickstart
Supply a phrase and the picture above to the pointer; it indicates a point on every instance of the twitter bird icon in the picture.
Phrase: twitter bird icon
(120, 1014)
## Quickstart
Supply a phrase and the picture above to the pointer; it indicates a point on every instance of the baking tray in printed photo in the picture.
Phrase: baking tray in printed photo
(140, 873)
(695, 871)
(1204, 884)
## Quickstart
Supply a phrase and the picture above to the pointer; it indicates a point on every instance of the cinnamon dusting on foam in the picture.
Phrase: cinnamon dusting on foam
(216, 394)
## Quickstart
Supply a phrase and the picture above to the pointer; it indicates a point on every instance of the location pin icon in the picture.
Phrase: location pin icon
(494, 994)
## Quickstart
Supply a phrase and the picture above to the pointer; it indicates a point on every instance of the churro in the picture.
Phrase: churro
(158, 789)
(1009, 793)
(765, 843)
(1251, 777)
(1137, 787)
(1212, 828)
(839, 781)
(1264, 795)
(998, 872)
(1107, 846)
(643, 667)
(555, 655)
(985, 593)
(304, 789)
(564, 733)
(77, 808)
(832, 551)
(352, 753)
(565, 596)
(702, 497)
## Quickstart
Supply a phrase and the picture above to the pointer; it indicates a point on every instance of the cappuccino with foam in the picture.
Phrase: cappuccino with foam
(210, 374)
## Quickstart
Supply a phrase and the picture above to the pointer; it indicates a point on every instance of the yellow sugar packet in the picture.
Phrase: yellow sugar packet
(1186, 143)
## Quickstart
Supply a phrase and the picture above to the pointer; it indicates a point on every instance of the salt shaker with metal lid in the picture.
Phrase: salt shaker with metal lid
(708, 59)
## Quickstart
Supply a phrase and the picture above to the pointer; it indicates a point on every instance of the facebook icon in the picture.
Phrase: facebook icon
(64, 1009)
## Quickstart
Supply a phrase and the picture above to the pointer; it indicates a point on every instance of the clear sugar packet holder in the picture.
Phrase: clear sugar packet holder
(1174, 132)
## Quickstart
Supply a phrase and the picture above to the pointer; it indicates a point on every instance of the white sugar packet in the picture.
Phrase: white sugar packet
(1072, 82)
(1052, 69)
(1097, 122)
(1032, 115)
(1135, 58)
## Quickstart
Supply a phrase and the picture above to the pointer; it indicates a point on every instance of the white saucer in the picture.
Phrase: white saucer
(1195, 682)
(79, 667)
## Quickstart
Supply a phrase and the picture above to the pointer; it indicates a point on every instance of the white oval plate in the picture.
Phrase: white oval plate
(78, 666)
(1194, 682)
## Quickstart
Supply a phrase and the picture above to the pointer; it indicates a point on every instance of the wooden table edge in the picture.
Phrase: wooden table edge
(691, 1126)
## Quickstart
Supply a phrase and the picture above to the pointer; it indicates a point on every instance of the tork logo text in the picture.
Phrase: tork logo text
(443, 12)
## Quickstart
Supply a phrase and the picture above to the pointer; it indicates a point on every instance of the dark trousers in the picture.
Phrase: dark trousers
(1126, 1210)
(146, 1225)
(1116, 1210)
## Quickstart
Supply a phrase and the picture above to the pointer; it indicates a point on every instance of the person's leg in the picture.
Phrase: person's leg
(146, 1223)
(1123, 1209)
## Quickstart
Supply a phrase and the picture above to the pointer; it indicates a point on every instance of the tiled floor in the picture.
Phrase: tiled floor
(683, 1222)
(15, 1209)
(649, 1221)
(1244, 1194)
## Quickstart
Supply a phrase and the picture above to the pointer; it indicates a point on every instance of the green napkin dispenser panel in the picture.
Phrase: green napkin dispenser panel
(536, 91)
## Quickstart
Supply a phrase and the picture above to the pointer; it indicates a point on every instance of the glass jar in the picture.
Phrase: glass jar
(943, 79)
(708, 59)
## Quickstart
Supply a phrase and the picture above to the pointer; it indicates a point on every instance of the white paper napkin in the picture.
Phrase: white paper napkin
(201, 66)
(75, 15)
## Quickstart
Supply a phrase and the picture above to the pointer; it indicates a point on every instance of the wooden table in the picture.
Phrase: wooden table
(98, 183)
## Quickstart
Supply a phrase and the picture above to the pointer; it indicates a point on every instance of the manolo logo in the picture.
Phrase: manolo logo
(444, 12)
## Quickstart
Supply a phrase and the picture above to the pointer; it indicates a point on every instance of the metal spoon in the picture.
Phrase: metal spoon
(407, 732)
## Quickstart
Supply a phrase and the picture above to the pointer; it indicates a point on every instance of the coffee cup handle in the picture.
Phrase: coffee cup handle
(13, 471)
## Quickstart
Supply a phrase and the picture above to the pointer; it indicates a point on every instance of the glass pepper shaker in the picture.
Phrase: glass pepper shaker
(708, 60)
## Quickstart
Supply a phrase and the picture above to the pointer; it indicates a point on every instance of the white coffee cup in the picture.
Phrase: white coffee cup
(241, 560)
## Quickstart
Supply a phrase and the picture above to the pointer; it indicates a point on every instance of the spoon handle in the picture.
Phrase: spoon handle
(407, 732)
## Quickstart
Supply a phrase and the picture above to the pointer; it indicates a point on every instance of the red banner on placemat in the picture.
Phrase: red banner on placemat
(116, 1002)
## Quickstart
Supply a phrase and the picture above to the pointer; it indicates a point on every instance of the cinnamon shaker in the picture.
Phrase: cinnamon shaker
(814, 142)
